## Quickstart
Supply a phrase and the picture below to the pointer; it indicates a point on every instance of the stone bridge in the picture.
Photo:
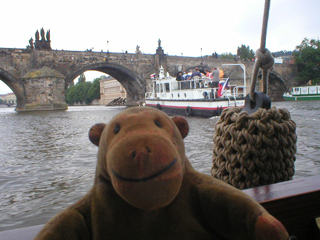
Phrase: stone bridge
(39, 78)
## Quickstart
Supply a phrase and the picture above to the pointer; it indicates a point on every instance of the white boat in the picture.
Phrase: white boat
(302, 93)
(195, 97)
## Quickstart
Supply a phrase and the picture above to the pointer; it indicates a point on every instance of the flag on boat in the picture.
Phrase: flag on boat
(222, 85)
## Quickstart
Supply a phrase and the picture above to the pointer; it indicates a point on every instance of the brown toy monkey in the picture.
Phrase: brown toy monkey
(146, 188)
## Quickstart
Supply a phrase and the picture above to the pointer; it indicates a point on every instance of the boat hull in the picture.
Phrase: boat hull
(196, 108)
(301, 98)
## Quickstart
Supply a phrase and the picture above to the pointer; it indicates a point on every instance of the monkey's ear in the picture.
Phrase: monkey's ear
(95, 133)
(182, 125)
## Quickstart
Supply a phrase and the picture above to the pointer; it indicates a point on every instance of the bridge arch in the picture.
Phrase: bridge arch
(15, 85)
(133, 84)
(276, 86)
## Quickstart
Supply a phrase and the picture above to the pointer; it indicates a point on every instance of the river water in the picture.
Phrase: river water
(47, 161)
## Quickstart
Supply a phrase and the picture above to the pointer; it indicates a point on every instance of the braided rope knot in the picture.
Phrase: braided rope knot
(265, 61)
(265, 58)
(255, 149)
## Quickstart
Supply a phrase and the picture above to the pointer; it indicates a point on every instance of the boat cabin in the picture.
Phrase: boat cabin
(307, 90)
(197, 88)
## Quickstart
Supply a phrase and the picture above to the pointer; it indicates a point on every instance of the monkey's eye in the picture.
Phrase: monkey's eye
(158, 123)
(116, 128)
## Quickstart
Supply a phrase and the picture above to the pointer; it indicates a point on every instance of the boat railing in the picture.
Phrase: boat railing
(205, 84)
(195, 83)
(237, 91)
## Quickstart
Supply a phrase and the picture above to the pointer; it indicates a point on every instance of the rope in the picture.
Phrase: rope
(265, 25)
(256, 149)
(264, 59)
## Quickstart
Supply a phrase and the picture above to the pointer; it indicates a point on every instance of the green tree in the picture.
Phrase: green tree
(227, 56)
(245, 53)
(94, 91)
(83, 92)
(71, 95)
(307, 60)
(81, 78)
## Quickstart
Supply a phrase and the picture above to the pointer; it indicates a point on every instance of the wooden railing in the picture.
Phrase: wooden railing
(295, 203)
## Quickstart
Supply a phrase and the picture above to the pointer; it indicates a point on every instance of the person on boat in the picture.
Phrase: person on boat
(203, 72)
(215, 75)
(196, 72)
(196, 75)
(206, 78)
(185, 76)
(189, 75)
(221, 73)
(180, 76)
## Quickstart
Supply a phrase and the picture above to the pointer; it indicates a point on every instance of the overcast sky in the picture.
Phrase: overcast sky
(184, 27)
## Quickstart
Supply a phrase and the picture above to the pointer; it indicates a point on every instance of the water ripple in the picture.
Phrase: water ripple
(47, 161)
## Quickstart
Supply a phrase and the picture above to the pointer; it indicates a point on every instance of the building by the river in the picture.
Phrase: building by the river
(110, 89)
(9, 98)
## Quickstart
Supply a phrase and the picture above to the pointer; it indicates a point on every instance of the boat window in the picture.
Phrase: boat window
(304, 90)
(312, 90)
(167, 87)
(157, 88)
(160, 88)
(175, 85)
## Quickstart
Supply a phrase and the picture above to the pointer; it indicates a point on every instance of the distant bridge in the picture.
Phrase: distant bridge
(39, 78)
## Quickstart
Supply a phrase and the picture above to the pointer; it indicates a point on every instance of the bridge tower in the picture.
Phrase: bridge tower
(44, 90)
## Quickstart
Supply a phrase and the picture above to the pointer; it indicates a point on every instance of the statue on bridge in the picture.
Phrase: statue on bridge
(138, 50)
(37, 35)
(48, 35)
(159, 50)
(43, 44)
(42, 35)
(30, 46)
